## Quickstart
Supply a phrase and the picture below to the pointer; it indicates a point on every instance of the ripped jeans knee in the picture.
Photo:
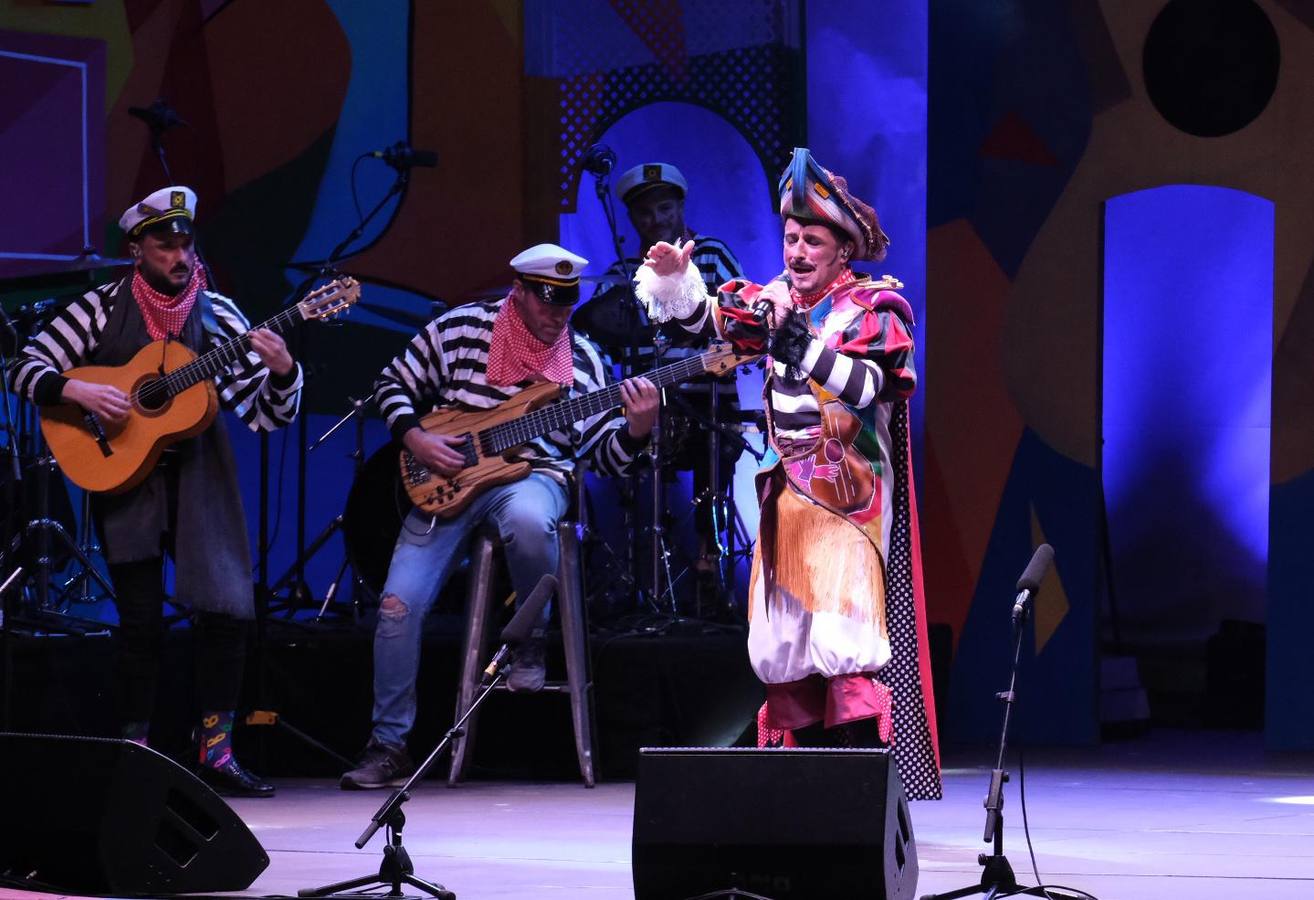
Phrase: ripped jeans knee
(393, 616)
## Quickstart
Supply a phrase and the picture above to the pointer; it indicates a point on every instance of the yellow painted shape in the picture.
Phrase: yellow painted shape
(1051, 605)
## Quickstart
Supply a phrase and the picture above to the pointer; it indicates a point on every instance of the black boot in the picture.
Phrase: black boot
(232, 780)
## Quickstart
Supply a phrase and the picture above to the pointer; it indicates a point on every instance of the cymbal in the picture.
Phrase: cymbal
(45, 270)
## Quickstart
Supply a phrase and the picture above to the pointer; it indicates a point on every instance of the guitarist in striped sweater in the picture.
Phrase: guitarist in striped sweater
(189, 505)
(479, 356)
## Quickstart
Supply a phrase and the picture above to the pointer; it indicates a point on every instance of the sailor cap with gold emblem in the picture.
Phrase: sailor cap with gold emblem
(641, 179)
(168, 209)
(551, 272)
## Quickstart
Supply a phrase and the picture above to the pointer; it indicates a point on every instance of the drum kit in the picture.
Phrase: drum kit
(700, 431)
(42, 538)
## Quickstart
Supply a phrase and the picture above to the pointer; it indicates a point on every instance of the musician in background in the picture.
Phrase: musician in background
(189, 506)
(837, 627)
(654, 196)
(480, 355)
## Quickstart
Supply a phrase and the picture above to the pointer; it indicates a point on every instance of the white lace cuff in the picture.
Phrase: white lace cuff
(669, 297)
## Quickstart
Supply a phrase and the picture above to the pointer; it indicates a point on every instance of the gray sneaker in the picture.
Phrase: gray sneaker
(381, 765)
(529, 670)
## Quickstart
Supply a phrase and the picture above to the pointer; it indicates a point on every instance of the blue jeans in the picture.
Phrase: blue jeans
(525, 514)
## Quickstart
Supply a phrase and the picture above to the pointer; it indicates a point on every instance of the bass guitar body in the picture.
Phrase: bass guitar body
(126, 454)
(443, 496)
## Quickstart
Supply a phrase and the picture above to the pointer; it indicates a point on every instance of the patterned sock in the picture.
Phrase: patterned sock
(216, 739)
(137, 732)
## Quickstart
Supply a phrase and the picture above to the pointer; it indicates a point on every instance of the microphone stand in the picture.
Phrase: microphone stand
(633, 317)
(266, 715)
(997, 878)
(328, 267)
(396, 868)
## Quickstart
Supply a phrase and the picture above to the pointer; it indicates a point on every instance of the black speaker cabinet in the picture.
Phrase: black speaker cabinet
(788, 824)
(87, 815)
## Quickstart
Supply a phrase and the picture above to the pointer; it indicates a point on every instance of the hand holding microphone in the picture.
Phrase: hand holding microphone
(773, 304)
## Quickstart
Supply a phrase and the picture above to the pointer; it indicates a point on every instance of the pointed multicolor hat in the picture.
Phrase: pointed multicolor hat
(815, 194)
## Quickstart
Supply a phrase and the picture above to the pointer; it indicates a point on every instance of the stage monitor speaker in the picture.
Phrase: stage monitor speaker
(88, 815)
(788, 824)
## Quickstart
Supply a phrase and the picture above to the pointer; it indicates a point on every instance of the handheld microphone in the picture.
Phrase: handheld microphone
(599, 160)
(1029, 584)
(762, 308)
(522, 623)
(402, 155)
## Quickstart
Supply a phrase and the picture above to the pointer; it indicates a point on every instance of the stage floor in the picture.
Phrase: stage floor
(1200, 815)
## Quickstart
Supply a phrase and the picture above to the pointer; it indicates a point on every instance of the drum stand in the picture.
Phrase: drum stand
(40, 530)
(87, 544)
(359, 588)
(659, 553)
(617, 572)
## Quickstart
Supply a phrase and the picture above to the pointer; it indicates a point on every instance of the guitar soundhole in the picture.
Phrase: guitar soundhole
(152, 396)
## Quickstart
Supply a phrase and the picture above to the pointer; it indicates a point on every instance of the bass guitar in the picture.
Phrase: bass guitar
(173, 397)
(490, 437)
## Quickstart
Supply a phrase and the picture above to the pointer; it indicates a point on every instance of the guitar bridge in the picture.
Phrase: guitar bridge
(416, 473)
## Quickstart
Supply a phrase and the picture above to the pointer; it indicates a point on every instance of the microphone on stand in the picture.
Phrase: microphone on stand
(522, 623)
(402, 155)
(160, 116)
(599, 160)
(1029, 584)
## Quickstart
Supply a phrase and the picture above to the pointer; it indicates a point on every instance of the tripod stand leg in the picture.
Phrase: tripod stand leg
(338, 887)
(436, 890)
(333, 588)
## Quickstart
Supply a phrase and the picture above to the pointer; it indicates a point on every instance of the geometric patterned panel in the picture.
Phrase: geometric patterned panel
(758, 86)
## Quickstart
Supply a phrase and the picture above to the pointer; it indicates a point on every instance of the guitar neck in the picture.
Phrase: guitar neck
(557, 416)
(217, 359)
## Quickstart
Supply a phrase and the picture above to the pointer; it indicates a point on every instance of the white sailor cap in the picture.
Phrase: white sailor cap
(552, 272)
(644, 178)
(168, 209)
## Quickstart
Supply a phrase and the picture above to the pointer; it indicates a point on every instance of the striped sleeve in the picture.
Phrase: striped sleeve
(873, 360)
(411, 380)
(71, 336)
(261, 399)
(716, 262)
(602, 439)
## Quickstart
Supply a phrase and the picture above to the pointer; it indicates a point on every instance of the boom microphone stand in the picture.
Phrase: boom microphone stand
(997, 878)
(396, 868)
(599, 161)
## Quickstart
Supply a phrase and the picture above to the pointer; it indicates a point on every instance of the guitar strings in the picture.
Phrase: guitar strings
(204, 366)
(506, 435)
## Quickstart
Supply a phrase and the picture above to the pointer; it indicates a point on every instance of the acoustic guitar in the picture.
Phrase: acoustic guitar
(173, 397)
(490, 437)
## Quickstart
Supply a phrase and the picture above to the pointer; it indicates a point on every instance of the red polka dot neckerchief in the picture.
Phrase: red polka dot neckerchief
(515, 355)
(805, 302)
(165, 315)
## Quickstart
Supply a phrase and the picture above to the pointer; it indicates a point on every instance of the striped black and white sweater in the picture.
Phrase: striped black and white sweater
(263, 401)
(446, 364)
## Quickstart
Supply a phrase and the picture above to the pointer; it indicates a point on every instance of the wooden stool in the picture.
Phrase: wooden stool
(475, 650)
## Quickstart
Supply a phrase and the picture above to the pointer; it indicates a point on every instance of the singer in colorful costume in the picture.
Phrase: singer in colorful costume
(837, 615)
